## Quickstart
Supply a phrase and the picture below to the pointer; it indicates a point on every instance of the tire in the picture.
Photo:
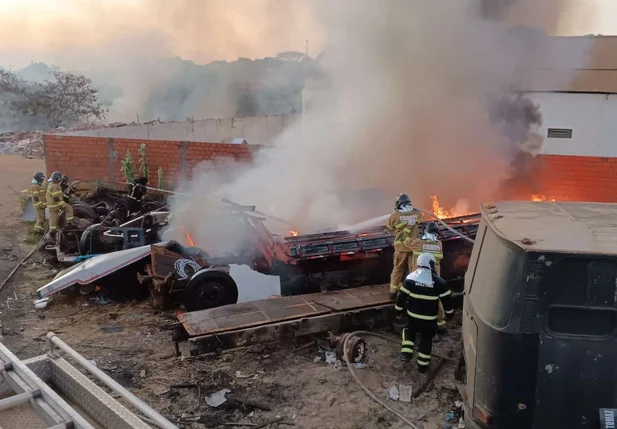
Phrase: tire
(210, 289)
(83, 211)
(151, 207)
(86, 247)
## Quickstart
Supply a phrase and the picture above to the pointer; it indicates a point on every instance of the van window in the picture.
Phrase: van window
(581, 321)
(497, 277)
(584, 282)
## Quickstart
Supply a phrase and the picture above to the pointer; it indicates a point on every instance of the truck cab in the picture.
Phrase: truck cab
(540, 316)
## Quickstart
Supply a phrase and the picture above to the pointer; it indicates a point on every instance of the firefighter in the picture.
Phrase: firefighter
(55, 202)
(404, 223)
(430, 243)
(37, 192)
(137, 191)
(420, 296)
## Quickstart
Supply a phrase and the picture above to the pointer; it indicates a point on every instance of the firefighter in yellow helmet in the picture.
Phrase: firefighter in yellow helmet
(55, 202)
(37, 193)
(430, 243)
(404, 222)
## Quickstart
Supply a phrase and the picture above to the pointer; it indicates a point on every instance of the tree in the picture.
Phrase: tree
(247, 105)
(66, 100)
(291, 56)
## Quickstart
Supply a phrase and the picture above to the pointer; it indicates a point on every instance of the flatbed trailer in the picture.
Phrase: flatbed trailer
(344, 259)
(288, 317)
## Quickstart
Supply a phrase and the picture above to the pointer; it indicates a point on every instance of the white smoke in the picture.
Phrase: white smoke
(406, 109)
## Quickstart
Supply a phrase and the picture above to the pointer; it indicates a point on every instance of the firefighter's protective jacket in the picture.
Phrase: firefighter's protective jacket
(55, 199)
(423, 245)
(421, 293)
(405, 226)
(37, 192)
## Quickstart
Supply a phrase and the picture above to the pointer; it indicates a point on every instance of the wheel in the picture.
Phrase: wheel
(89, 241)
(83, 210)
(210, 289)
(151, 207)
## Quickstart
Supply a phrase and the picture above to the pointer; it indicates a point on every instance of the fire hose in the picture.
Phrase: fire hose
(452, 230)
(366, 390)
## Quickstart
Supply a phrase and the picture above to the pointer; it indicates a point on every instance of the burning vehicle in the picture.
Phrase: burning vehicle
(173, 272)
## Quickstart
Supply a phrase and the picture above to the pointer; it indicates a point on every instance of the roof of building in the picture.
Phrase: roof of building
(577, 64)
(586, 228)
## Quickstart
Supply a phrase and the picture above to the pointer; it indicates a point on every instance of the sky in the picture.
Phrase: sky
(78, 33)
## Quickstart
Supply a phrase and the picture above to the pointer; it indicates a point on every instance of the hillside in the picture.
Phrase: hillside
(176, 89)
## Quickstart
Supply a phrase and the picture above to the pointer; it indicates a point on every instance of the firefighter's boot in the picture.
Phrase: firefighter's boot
(422, 369)
(405, 357)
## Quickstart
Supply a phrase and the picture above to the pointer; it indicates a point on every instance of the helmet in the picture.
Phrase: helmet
(426, 260)
(55, 177)
(141, 181)
(431, 228)
(39, 177)
(402, 200)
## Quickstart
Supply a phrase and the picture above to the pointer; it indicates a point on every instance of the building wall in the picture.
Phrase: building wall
(258, 130)
(93, 158)
(583, 167)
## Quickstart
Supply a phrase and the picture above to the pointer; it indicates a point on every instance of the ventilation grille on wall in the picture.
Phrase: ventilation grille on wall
(559, 133)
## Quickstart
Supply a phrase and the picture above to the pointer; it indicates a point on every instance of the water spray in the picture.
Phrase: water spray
(452, 230)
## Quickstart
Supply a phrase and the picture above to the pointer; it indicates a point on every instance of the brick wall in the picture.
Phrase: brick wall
(578, 178)
(98, 158)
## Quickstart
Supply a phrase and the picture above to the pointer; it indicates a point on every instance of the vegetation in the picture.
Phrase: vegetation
(159, 174)
(143, 163)
(65, 99)
(183, 89)
(126, 167)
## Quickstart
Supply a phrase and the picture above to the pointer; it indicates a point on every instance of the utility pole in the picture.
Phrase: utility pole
(306, 48)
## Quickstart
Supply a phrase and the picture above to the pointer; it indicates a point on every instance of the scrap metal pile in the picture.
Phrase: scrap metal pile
(107, 221)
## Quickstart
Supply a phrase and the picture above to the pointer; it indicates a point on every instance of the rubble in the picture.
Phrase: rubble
(24, 143)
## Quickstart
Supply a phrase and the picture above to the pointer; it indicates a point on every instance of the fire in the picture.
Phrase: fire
(438, 210)
(189, 240)
(540, 197)
(293, 233)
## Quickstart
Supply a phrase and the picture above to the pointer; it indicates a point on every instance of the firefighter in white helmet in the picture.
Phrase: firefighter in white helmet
(404, 222)
(420, 296)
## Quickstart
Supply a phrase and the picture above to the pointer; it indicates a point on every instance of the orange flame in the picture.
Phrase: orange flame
(438, 210)
(293, 233)
(540, 197)
(189, 240)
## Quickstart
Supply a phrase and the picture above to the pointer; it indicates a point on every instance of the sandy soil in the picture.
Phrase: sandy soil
(126, 340)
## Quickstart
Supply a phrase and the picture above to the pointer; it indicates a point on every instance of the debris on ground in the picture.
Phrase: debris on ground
(24, 143)
(217, 399)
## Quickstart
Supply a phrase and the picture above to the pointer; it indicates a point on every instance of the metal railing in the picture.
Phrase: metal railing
(151, 414)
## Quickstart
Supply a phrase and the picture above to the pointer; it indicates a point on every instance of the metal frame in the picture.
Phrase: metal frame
(55, 342)
(32, 380)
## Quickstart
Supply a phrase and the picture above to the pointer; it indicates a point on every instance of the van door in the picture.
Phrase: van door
(470, 329)
(578, 348)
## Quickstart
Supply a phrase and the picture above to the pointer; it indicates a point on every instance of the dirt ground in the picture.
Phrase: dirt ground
(126, 341)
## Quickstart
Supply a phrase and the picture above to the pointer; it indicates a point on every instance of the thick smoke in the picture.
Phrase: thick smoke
(403, 103)
(119, 43)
